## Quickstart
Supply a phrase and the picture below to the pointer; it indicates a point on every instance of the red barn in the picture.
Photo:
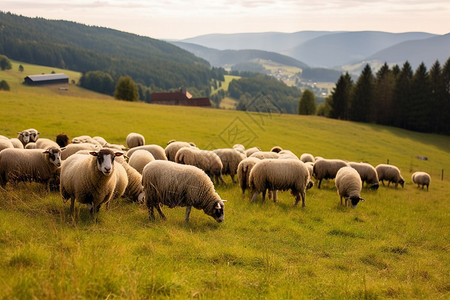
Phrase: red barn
(181, 97)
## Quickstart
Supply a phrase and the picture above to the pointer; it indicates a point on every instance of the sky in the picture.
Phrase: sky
(180, 19)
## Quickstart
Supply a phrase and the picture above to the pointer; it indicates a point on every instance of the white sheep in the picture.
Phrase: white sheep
(390, 173)
(310, 166)
(156, 150)
(230, 159)
(280, 174)
(348, 184)
(16, 143)
(139, 159)
(134, 191)
(327, 168)
(44, 143)
(421, 179)
(307, 157)
(173, 184)
(74, 148)
(85, 139)
(252, 150)
(30, 165)
(28, 135)
(89, 179)
(287, 154)
(135, 139)
(368, 174)
(5, 144)
(265, 155)
(243, 172)
(239, 148)
(206, 160)
(121, 181)
(173, 147)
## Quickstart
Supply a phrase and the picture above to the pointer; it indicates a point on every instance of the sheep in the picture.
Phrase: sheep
(208, 161)
(348, 184)
(390, 173)
(135, 139)
(5, 144)
(28, 135)
(16, 143)
(156, 150)
(276, 149)
(280, 174)
(243, 171)
(367, 173)
(173, 184)
(62, 140)
(240, 148)
(230, 160)
(31, 145)
(74, 148)
(134, 191)
(173, 147)
(421, 178)
(85, 139)
(252, 150)
(30, 165)
(44, 143)
(265, 155)
(287, 154)
(139, 159)
(307, 157)
(327, 168)
(310, 166)
(100, 140)
(89, 179)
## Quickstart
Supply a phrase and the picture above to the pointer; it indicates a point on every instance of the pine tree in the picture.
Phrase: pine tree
(362, 97)
(341, 96)
(402, 95)
(419, 113)
(384, 93)
(307, 103)
(437, 100)
(445, 125)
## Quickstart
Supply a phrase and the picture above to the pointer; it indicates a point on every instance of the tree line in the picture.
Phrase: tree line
(415, 100)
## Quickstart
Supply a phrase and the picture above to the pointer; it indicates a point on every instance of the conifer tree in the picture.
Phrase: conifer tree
(341, 96)
(307, 103)
(445, 125)
(418, 116)
(362, 97)
(402, 95)
(437, 100)
(384, 92)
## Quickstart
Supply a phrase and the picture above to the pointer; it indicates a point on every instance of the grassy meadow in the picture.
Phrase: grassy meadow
(394, 245)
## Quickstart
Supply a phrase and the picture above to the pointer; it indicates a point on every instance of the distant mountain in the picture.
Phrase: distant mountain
(227, 58)
(417, 51)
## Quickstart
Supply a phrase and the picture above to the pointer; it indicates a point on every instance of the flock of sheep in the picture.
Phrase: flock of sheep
(92, 171)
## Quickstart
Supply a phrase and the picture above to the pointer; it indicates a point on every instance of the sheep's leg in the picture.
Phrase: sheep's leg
(188, 211)
(72, 204)
(264, 195)
(158, 208)
(151, 213)
(232, 178)
(341, 201)
(255, 194)
(221, 179)
(275, 195)
(297, 198)
(320, 181)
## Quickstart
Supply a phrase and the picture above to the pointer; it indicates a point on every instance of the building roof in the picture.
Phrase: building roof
(46, 77)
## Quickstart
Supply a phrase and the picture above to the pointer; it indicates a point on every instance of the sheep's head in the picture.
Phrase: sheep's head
(54, 155)
(218, 211)
(402, 182)
(355, 200)
(105, 160)
(24, 136)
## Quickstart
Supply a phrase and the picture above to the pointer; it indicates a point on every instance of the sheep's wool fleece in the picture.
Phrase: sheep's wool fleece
(174, 185)
(348, 182)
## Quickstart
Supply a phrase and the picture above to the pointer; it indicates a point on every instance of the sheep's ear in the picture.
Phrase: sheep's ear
(361, 199)
(224, 200)
(63, 148)
(118, 153)
(46, 151)
(93, 153)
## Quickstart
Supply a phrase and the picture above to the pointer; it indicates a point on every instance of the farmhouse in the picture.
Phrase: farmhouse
(181, 97)
(46, 79)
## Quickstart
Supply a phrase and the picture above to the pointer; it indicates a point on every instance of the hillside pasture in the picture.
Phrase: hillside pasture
(394, 245)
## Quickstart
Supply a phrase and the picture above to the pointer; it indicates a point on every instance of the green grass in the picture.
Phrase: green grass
(394, 245)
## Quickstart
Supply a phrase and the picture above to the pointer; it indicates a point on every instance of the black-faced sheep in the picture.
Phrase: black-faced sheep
(243, 172)
(156, 150)
(30, 165)
(280, 174)
(89, 179)
(230, 161)
(327, 168)
(135, 139)
(421, 179)
(390, 173)
(173, 184)
(368, 174)
(348, 184)
(139, 159)
(173, 147)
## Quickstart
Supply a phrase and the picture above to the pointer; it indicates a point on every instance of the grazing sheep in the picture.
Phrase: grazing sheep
(5, 144)
(348, 184)
(367, 173)
(307, 157)
(172, 184)
(139, 159)
(30, 165)
(287, 154)
(252, 150)
(280, 174)
(265, 155)
(28, 135)
(74, 148)
(135, 139)
(276, 149)
(390, 173)
(89, 179)
(173, 147)
(206, 160)
(230, 160)
(44, 143)
(156, 150)
(421, 179)
(243, 172)
(62, 140)
(327, 168)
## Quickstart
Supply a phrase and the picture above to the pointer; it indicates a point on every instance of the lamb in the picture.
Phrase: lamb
(208, 161)
(156, 150)
(230, 159)
(139, 159)
(173, 184)
(30, 165)
(173, 147)
(243, 172)
(307, 157)
(327, 168)
(89, 179)
(390, 173)
(367, 173)
(74, 148)
(348, 184)
(280, 174)
(421, 179)
(265, 155)
(135, 139)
